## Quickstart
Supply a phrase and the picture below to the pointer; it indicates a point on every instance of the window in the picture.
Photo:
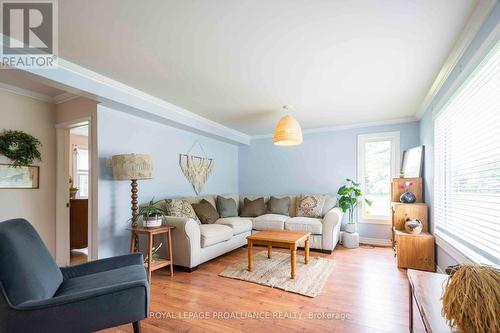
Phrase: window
(81, 171)
(378, 163)
(467, 165)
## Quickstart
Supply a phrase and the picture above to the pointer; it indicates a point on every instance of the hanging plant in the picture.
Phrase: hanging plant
(20, 147)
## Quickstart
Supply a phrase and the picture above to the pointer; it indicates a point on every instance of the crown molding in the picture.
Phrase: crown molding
(477, 19)
(26, 93)
(64, 97)
(345, 127)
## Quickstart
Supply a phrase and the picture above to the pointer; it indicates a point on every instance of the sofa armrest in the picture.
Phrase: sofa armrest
(331, 228)
(186, 240)
(102, 265)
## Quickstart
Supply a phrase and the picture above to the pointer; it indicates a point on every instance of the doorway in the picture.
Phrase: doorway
(78, 165)
(76, 192)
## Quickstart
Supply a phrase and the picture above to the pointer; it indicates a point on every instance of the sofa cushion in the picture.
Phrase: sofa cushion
(205, 212)
(269, 222)
(238, 224)
(306, 224)
(330, 203)
(279, 205)
(310, 205)
(253, 208)
(180, 208)
(226, 207)
(212, 234)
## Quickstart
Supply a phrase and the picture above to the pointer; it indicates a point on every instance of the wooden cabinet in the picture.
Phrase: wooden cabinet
(411, 250)
(78, 223)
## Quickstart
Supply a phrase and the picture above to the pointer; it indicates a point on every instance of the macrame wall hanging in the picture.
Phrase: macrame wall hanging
(196, 169)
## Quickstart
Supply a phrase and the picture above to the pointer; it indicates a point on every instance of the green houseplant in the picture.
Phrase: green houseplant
(151, 214)
(350, 195)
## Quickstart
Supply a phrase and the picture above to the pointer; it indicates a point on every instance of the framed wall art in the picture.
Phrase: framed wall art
(23, 177)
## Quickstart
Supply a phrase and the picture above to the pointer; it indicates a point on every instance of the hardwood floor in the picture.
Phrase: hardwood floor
(365, 284)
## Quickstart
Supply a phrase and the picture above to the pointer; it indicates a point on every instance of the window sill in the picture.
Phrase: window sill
(456, 253)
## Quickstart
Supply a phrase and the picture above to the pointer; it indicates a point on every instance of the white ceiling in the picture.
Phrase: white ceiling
(238, 62)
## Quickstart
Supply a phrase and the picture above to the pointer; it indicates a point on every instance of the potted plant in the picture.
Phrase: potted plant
(350, 195)
(152, 216)
(72, 190)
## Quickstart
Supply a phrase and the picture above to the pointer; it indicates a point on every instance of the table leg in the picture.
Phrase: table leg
(132, 242)
(150, 255)
(171, 255)
(306, 248)
(250, 245)
(269, 251)
(293, 258)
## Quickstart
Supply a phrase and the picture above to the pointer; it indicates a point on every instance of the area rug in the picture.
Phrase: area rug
(275, 273)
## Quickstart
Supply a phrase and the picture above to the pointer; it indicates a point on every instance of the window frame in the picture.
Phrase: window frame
(453, 247)
(394, 137)
(76, 172)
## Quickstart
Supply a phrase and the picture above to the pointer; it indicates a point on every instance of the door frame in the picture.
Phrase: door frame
(62, 195)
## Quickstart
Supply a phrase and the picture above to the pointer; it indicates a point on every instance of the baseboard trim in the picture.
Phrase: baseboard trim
(375, 241)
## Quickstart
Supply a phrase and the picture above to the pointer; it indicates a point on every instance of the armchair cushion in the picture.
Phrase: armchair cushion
(27, 269)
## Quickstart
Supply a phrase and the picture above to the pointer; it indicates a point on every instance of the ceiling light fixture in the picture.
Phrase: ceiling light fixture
(287, 131)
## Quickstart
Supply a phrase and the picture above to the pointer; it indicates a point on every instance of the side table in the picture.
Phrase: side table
(151, 232)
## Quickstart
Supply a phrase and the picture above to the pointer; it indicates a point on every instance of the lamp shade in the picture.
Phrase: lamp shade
(287, 132)
(132, 167)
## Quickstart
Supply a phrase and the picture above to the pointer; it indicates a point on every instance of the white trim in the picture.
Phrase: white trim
(375, 241)
(25, 93)
(477, 19)
(394, 137)
(345, 127)
(64, 97)
(439, 270)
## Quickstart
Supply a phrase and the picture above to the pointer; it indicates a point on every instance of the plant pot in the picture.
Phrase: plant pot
(72, 194)
(152, 222)
(408, 197)
(350, 228)
(350, 240)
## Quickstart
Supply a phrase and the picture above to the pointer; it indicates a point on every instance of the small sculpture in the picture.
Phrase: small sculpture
(413, 226)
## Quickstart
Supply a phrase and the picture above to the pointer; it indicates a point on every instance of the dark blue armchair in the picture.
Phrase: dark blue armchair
(38, 296)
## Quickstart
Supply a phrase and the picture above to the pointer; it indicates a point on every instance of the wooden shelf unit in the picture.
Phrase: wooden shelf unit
(411, 250)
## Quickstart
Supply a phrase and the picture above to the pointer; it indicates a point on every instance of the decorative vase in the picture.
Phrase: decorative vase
(350, 228)
(152, 222)
(408, 197)
(413, 226)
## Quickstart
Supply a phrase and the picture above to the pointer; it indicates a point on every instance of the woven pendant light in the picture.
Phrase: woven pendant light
(287, 131)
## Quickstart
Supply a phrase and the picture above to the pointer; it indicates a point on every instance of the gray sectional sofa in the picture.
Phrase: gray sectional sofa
(194, 243)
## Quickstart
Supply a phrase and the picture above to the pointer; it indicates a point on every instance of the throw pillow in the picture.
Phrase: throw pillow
(279, 206)
(253, 208)
(180, 208)
(310, 206)
(226, 207)
(206, 212)
(330, 202)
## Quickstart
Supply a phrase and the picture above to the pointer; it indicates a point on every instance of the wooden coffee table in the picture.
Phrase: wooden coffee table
(282, 239)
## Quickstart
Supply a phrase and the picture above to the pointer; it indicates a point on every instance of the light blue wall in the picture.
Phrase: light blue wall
(427, 126)
(121, 133)
(319, 165)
